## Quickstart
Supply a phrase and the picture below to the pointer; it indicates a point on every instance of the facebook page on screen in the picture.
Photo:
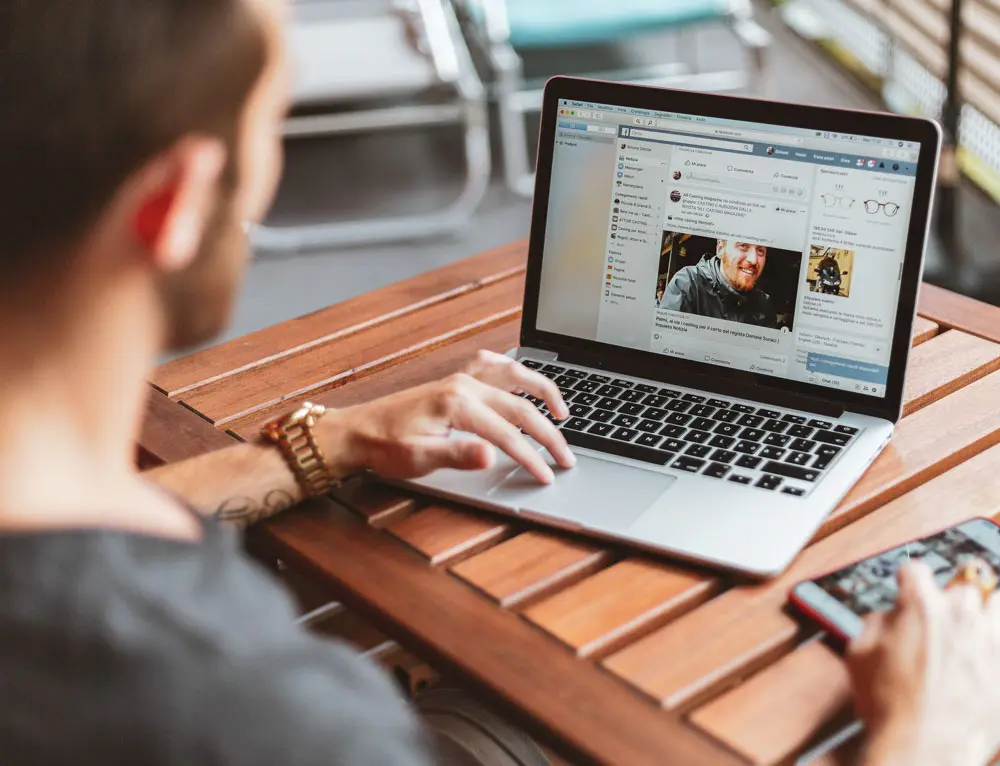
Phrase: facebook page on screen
(759, 247)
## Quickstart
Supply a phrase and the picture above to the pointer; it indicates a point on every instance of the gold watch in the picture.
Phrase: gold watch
(294, 435)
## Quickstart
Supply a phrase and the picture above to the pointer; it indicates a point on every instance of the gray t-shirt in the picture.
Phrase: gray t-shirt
(126, 649)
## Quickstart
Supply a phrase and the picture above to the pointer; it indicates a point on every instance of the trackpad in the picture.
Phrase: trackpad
(596, 493)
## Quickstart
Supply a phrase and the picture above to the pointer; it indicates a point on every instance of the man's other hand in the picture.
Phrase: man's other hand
(406, 435)
(927, 676)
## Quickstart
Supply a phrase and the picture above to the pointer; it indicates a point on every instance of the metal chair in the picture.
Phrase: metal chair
(504, 29)
(378, 66)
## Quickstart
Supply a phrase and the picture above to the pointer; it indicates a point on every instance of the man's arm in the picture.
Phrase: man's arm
(676, 297)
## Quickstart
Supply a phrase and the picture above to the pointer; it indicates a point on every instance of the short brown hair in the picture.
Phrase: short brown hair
(92, 89)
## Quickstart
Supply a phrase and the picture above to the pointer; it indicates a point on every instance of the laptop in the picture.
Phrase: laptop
(724, 290)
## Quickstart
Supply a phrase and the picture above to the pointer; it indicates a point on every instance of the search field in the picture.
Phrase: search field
(667, 138)
(733, 133)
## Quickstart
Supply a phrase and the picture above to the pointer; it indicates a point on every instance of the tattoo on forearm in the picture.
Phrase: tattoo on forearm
(245, 511)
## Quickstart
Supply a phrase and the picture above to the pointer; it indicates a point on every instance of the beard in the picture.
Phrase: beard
(198, 301)
(739, 281)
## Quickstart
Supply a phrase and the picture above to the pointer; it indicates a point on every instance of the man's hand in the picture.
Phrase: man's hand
(927, 676)
(406, 435)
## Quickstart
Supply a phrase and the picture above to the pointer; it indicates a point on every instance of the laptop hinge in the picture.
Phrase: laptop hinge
(527, 352)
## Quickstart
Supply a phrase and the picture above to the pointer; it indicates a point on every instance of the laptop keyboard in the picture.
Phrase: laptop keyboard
(763, 447)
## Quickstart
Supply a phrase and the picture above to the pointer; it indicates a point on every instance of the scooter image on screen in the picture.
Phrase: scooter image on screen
(830, 278)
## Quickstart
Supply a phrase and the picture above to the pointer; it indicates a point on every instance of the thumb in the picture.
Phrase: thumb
(465, 454)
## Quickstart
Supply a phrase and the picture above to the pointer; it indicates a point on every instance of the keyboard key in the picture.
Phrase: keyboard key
(645, 389)
(822, 462)
(625, 434)
(679, 405)
(768, 482)
(775, 426)
(687, 463)
(599, 379)
(577, 424)
(631, 409)
(627, 421)
(631, 395)
(578, 374)
(702, 424)
(802, 432)
(655, 401)
(673, 430)
(726, 416)
(716, 470)
(791, 471)
(554, 368)
(849, 430)
(696, 398)
(600, 429)
(697, 450)
(531, 364)
(738, 478)
(821, 424)
(717, 403)
(565, 381)
(723, 456)
(769, 413)
(722, 442)
(579, 411)
(702, 411)
(586, 386)
(621, 383)
(697, 437)
(793, 419)
(553, 419)
(772, 453)
(622, 449)
(832, 437)
(798, 458)
(752, 434)
(727, 429)
(745, 408)
(670, 392)
(748, 461)
(802, 445)
(601, 416)
(828, 450)
(747, 448)
(678, 418)
(649, 426)
(796, 491)
(567, 394)
(607, 403)
(534, 400)
(649, 440)
(777, 440)
(750, 420)
(674, 445)
(587, 400)
(654, 413)
(609, 391)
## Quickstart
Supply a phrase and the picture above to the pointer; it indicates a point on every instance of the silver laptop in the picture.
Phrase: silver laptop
(724, 290)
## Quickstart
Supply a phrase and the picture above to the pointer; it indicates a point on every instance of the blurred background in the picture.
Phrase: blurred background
(412, 137)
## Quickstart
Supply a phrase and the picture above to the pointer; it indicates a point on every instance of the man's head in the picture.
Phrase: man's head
(742, 263)
(137, 136)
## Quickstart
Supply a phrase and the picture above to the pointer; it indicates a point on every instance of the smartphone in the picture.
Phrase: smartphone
(841, 599)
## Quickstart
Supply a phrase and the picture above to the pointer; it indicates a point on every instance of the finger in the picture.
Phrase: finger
(463, 454)
(875, 624)
(533, 423)
(479, 419)
(514, 376)
(965, 599)
(916, 585)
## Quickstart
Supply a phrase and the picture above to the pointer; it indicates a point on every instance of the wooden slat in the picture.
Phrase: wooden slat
(365, 353)
(528, 565)
(923, 330)
(945, 364)
(739, 630)
(345, 625)
(338, 322)
(774, 715)
(588, 717)
(955, 311)
(171, 433)
(434, 365)
(379, 505)
(616, 604)
(442, 534)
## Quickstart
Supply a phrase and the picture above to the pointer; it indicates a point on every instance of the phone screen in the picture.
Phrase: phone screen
(848, 594)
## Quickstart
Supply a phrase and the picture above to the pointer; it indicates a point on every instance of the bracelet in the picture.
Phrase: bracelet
(294, 435)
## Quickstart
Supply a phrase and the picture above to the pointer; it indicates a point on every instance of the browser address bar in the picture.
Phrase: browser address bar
(667, 138)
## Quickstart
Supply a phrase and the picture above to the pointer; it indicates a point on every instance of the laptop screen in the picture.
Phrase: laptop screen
(758, 247)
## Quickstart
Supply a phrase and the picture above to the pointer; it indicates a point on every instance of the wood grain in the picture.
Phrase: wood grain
(171, 433)
(618, 603)
(923, 330)
(442, 534)
(340, 321)
(364, 354)
(776, 713)
(737, 632)
(945, 364)
(588, 717)
(379, 505)
(528, 565)
(954, 311)
(433, 365)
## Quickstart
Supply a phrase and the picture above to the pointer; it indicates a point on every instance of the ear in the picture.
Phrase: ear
(175, 196)
(720, 245)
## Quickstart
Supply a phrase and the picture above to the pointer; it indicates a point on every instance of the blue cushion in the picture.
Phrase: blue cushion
(555, 23)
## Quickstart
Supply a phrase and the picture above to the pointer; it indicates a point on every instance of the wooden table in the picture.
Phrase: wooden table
(608, 656)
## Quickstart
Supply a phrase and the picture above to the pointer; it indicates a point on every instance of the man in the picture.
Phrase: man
(724, 286)
(135, 139)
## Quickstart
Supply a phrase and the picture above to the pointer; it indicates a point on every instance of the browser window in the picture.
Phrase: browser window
(764, 248)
